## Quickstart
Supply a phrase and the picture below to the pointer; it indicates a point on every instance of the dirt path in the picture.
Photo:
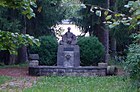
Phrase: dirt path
(21, 79)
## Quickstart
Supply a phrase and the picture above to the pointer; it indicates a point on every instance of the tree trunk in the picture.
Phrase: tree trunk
(5, 57)
(22, 52)
(106, 44)
(103, 36)
(113, 44)
(113, 47)
(22, 55)
(105, 39)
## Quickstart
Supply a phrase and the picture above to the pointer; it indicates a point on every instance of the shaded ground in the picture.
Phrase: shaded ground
(21, 79)
(15, 72)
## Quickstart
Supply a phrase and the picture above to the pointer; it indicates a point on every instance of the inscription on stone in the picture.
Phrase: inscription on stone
(68, 49)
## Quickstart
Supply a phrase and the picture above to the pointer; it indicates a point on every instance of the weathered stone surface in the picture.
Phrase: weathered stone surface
(33, 56)
(68, 56)
(68, 62)
(103, 65)
(66, 71)
(33, 63)
(68, 38)
(112, 70)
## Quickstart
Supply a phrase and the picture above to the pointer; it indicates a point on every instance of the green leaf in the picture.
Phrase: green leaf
(108, 17)
(137, 12)
(106, 13)
(111, 26)
(130, 3)
(117, 15)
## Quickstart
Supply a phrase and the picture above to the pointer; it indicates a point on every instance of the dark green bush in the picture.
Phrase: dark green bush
(132, 64)
(47, 50)
(91, 50)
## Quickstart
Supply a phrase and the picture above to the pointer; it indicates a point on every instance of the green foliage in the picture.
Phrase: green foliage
(10, 25)
(122, 36)
(47, 50)
(87, 19)
(9, 20)
(132, 64)
(24, 5)
(81, 84)
(130, 19)
(94, 2)
(71, 7)
(12, 41)
(23, 65)
(3, 79)
(91, 50)
(48, 15)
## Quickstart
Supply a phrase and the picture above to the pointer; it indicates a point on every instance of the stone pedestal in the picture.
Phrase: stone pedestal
(34, 63)
(33, 60)
(68, 56)
(104, 65)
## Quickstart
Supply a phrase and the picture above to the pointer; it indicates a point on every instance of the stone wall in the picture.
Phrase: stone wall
(70, 71)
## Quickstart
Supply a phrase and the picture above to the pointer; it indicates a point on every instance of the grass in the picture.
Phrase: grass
(82, 84)
(14, 66)
(3, 79)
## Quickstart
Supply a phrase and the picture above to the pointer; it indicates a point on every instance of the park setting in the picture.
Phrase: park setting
(69, 45)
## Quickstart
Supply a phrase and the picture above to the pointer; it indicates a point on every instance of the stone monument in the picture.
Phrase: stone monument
(68, 61)
(68, 54)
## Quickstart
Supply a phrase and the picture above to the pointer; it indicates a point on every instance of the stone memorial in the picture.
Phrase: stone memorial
(68, 54)
(68, 61)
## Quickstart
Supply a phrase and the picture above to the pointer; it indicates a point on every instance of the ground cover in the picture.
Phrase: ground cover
(3, 79)
(20, 81)
(82, 84)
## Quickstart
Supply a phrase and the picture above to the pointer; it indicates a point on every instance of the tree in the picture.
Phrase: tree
(48, 14)
(133, 61)
(11, 41)
(25, 6)
(119, 36)
(91, 20)
(131, 19)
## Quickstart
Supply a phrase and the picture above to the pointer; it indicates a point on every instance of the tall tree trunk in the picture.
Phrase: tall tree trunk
(113, 47)
(103, 35)
(106, 38)
(106, 44)
(22, 52)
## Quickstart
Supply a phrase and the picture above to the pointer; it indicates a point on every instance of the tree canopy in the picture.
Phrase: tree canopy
(11, 41)
(25, 6)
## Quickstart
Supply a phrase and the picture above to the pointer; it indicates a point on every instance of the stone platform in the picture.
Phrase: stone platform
(67, 71)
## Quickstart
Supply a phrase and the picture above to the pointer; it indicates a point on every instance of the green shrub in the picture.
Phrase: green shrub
(47, 50)
(91, 50)
(132, 64)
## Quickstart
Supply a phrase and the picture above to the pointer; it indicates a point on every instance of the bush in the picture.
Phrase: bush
(47, 50)
(91, 50)
(132, 64)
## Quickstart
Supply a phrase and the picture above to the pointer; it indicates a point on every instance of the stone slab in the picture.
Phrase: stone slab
(33, 57)
(69, 71)
(73, 51)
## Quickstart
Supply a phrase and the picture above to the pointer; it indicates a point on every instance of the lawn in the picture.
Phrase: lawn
(82, 84)
(13, 66)
(3, 79)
